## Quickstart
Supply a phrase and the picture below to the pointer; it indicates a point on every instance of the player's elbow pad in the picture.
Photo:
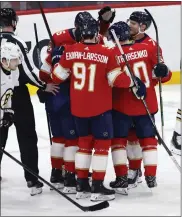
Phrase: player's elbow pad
(55, 79)
(123, 81)
(59, 74)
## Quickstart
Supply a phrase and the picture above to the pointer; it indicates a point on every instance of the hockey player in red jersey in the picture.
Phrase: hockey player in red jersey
(128, 110)
(65, 140)
(93, 70)
(139, 22)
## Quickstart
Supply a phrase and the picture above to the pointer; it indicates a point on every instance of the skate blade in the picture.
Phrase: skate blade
(35, 191)
(123, 191)
(130, 186)
(139, 180)
(154, 190)
(82, 195)
(153, 186)
(90, 181)
(177, 152)
(69, 190)
(57, 186)
(100, 197)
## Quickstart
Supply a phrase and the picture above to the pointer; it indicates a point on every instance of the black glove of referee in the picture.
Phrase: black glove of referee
(8, 118)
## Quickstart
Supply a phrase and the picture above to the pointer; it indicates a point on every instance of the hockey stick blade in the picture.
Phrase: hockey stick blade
(92, 208)
(96, 207)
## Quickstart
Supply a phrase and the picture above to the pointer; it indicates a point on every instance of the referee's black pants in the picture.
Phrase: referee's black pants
(24, 122)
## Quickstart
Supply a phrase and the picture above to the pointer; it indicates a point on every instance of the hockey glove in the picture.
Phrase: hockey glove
(161, 70)
(8, 118)
(56, 54)
(140, 91)
(107, 15)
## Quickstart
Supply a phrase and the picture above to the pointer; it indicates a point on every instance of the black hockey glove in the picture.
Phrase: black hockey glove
(107, 15)
(42, 95)
(141, 91)
(56, 54)
(161, 70)
(7, 120)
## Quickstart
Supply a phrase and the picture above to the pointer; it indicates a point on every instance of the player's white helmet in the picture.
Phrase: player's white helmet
(10, 51)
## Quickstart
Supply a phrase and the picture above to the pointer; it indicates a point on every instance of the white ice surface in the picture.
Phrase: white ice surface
(141, 201)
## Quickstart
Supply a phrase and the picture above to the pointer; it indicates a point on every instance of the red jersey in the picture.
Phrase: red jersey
(93, 70)
(148, 40)
(60, 38)
(142, 59)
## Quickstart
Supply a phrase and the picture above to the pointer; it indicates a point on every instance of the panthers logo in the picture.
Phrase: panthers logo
(5, 97)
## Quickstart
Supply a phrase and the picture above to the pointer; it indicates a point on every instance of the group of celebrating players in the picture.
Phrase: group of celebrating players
(98, 106)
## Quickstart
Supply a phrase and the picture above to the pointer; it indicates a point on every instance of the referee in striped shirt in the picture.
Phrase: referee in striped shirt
(24, 120)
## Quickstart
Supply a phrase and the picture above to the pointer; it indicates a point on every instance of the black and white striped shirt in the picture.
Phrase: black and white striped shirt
(25, 73)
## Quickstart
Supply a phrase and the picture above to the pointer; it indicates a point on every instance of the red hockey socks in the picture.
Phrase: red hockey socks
(119, 156)
(57, 150)
(149, 150)
(83, 156)
(100, 158)
(134, 151)
(71, 147)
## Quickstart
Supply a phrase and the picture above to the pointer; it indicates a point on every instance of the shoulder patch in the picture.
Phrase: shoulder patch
(5, 97)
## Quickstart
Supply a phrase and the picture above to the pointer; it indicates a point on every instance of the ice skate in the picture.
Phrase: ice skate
(101, 193)
(83, 189)
(120, 185)
(69, 183)
(57, 179)
(35, 187)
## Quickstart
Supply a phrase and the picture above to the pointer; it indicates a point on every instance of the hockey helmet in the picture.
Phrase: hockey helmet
(141, 18)
(89, 28)
(8, 17)
(121, 29)
(10, 51)
(81, 16)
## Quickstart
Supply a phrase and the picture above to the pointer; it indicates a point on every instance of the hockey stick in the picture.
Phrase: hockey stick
(39, 60)
(37, 44)
(160, 140)
(160, 84)
(95, 207)
(46, 23)
(53, 44)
